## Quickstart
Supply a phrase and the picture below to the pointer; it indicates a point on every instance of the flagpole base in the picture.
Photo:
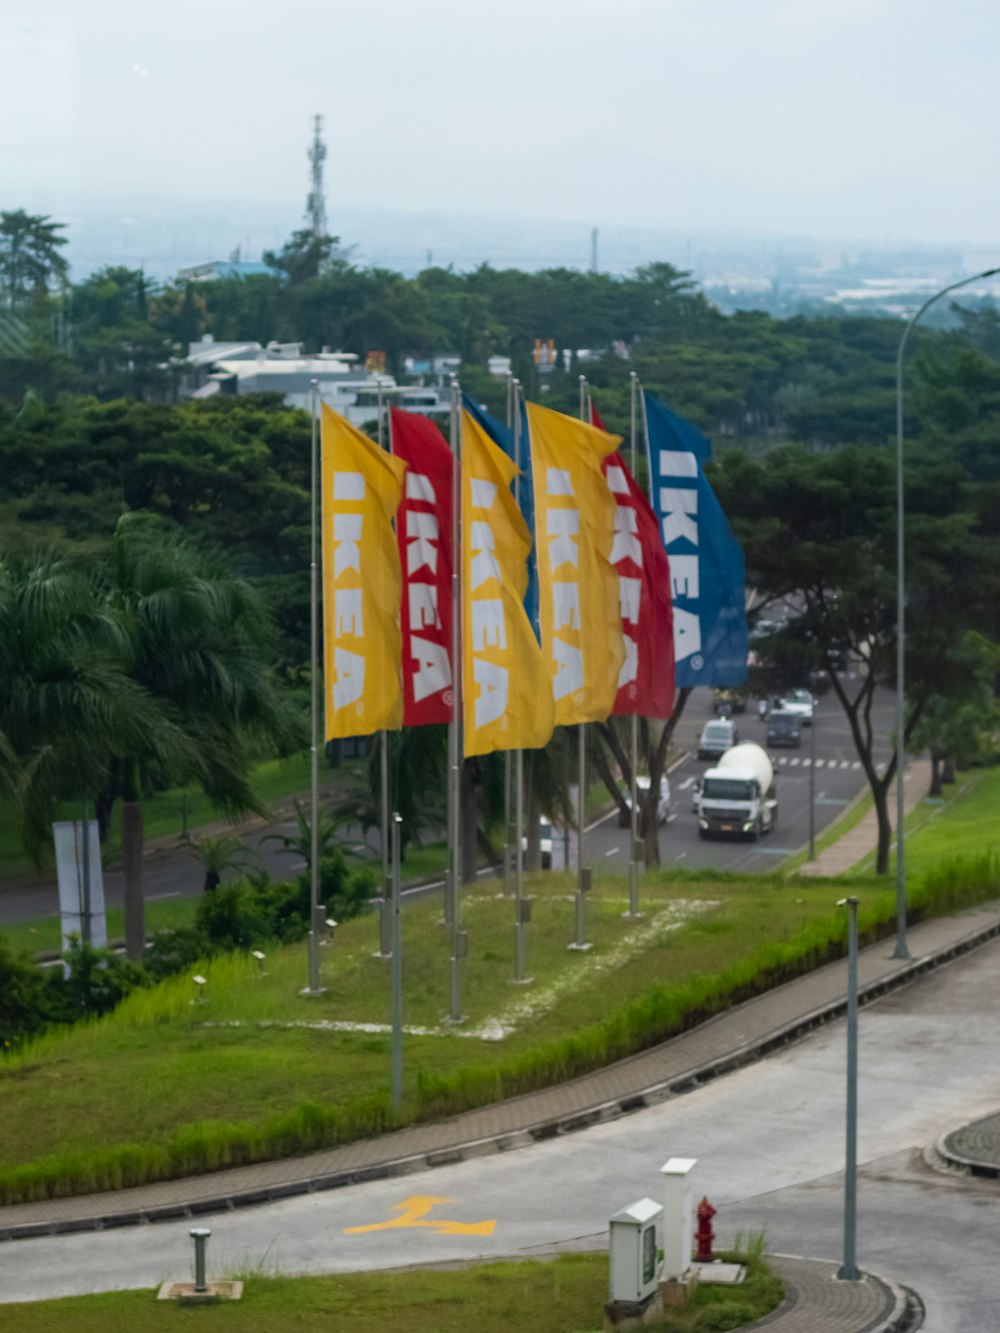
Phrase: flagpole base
(311, 992)
(520, 981)
(579, 948)
(633, 916)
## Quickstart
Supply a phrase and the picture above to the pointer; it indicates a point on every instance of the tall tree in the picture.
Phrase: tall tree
(198, 643)
(67, 702)
(819, 532)
(31, 264)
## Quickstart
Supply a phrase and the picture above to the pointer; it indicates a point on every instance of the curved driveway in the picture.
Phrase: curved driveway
(769, 1140)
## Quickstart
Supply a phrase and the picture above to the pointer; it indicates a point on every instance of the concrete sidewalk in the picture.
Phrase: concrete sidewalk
(861, 841)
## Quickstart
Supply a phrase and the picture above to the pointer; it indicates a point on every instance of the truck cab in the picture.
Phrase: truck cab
(737, 798)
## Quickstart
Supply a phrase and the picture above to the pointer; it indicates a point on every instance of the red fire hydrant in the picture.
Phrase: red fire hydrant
(704, 1235)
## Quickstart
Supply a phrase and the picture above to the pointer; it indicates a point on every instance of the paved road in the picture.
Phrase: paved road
(769, 1140)
(838, 779)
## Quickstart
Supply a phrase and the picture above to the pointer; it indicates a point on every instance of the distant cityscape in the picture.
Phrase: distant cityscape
(736, 271)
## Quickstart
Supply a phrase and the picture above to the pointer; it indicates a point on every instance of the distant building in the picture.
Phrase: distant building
(241, 368)
(225, 268)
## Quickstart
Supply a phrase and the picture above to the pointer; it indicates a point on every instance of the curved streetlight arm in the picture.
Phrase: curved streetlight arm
(901, 950)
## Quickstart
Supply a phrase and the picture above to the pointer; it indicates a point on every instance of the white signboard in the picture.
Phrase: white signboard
(80, 894)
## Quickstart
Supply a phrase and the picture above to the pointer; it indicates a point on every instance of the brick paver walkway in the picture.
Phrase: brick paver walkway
(975, 1146)
(816, 1302)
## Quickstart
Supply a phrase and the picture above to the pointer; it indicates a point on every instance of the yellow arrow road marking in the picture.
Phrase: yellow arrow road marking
(413, 1213)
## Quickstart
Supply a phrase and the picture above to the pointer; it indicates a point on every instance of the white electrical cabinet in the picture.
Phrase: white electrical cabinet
(633, 1251)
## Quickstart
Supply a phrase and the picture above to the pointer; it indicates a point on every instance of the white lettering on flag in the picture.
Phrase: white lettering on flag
(488, 628)
(349, 687)
(558, 481)
(569, 669)
(626, 544)
(630, 667)
(422, 532)
(491, 701)
(348, 612)
(419, 488)
(684, 576)
(687, 633)
(347, 535)
(348, 486)
(422, 600)
(678, 463)
(433, 670)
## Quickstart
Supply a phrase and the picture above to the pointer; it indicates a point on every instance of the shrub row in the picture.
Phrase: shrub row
(237, 916)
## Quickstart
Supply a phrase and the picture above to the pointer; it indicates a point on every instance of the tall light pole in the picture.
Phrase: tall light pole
(848, 1270)
(901, 951)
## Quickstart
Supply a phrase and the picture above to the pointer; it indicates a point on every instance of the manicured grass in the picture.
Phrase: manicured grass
(563, 1295)
(963, 822)
(43, 934)
(165, 813)
(166, 1087)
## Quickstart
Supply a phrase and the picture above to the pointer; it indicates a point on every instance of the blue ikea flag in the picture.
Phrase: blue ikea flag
(707, 580)
(503, 435)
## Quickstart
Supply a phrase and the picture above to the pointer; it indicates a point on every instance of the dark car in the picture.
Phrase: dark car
(784, 729)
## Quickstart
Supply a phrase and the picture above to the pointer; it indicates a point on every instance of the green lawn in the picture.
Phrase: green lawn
(168, 1087)
(562, 1295)
(168, 813)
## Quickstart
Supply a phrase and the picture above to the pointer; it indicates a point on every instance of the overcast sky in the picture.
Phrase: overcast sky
(852, 118)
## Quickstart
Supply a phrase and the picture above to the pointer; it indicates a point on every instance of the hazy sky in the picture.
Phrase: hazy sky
(852, 118)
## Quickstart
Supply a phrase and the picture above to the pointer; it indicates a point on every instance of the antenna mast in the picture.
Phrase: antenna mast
(316, 203)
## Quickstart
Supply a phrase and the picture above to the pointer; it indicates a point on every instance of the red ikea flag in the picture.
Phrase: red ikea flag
(424, 532)
(646, 682)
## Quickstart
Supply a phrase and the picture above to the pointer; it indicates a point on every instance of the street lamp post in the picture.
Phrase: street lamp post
(901, 951)
(848, 1270)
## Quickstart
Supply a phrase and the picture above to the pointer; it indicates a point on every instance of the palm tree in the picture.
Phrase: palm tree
(66, 700)
(216, 855)
(198, 641)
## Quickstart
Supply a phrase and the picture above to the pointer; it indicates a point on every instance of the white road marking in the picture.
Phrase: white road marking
(612, 851)
(683, 786)
(155, 897)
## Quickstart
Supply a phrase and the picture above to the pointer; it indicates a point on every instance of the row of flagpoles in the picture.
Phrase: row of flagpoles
(512, 579)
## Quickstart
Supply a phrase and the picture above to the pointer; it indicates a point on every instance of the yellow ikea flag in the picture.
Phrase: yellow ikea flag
(362, 583)
(579, 605)
(507, 700)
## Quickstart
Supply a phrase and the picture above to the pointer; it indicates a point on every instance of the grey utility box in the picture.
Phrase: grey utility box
(633, 1251)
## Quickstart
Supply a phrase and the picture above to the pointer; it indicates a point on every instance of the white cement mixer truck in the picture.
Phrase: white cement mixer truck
(737, 798)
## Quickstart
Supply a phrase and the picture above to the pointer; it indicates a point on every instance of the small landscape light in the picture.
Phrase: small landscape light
(200, 982)
(260, 960)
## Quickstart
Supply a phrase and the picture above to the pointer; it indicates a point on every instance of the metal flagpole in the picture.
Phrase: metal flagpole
(633, 859)
(508, 765)
(582, 873)
(397, 971)
(520, 904)
(384, 737)
(455, 745)
(314, 988)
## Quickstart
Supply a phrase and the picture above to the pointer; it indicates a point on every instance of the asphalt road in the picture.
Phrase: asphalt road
(838, 779)
(769, 1144)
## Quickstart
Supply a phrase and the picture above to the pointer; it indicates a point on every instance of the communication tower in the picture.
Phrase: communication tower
(316, 202)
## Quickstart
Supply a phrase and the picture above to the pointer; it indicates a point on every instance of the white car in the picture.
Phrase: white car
(662, 806)
(801, 704)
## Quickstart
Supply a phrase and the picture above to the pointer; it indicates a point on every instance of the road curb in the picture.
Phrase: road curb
(507, 1141)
